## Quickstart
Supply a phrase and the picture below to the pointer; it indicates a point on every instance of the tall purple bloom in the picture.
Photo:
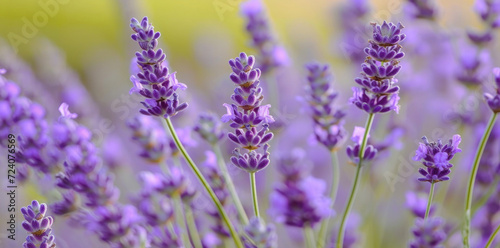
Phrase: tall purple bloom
(272, 54)
(248, 117)
(38, 225)
(154, 82)
(494, 100)
(436, 156)
(378, 92)
(328, 123)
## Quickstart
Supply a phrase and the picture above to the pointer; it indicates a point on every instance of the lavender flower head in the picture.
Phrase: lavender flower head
(353, 151)
(153, 81)
(328, 123)
(494, 100)
(301, 203)
(436, 156)
(428, 233)
(248, 117)
(258, 25)
(150, 137)
(38, 225)
(378, 92)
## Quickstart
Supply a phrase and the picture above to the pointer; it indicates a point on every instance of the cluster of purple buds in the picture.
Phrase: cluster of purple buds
(258, 234)
(300, 203)
(328, 123)
(378, 92)
(38, 225)
(273, 55)
(216, 179)
(209, 128)
(494, 100)
(162, 237)
(249, 119)
(353, 152)
(292, 166)
(154, 81)
(422, 9)
(81, 171)
(150, 137)
(428, 233)
(436, 156)
(29, 118)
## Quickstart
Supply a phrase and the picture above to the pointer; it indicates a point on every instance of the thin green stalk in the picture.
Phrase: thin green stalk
(230, 185)
(193, 231)
(205, 184)
(179, 218)
(340, 237)
(472, 179)
(333, 195)
(431, 194)
(492, 237)
(254, 195)
(309, 237)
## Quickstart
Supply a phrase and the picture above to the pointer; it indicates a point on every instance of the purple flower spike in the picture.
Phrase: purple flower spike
(38, 225)
(436, 156)
(494, 100)
(378, 92)
(428, 233)
(248, 117)
(328, 123)
(153, 81)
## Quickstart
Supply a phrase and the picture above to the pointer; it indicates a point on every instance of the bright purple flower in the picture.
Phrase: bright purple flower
(378, 92)
(436, 158)
(153, 81)
(300, 204)
(249, 119)
(353, 152)
(494, 100)
(428, 233)
(328, 123)
(38, 225)
(258, 26)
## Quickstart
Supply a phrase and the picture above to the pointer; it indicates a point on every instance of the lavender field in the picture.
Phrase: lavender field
(256, 124)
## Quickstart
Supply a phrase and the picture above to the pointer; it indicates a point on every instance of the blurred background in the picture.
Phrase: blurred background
(47, 44)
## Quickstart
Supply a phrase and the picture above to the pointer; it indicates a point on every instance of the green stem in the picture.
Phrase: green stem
(472, 179)
(340, 237)
(254, 194)
(205, 184)
(333, 195)
(431, 194)
(492, 237)
(179, 218)
(230, 185)
(193, 231)
(309, 236)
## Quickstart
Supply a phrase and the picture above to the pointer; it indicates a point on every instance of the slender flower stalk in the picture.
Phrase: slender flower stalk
(492, 237)
(205, 184)
(309, 236)
(472, 179)
(193, 230)
(431, 194)
(254, 195)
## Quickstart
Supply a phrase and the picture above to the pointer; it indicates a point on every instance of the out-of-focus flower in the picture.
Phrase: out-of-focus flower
(436, 156)
(150, 136)
(328, 123)
(417, 204)
(494, 100)
(421, 9)
(209, 128)
(353, 151)
(428, 233)
(258, 234)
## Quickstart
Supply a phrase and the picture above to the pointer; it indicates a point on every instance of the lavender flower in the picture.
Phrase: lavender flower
(328, 123)
(249, 119)
(436, 158)
(428, 233)
(258, 25)
(494, 101)
(258, 234)
(353, 152)
(300, 204)
(150, 136)
(489, 12)
(378, 92)
(154, 82)
(153, 205)
(421, 9)
(38, 225)
(418, 204)
(209, 128)
(352, 17)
